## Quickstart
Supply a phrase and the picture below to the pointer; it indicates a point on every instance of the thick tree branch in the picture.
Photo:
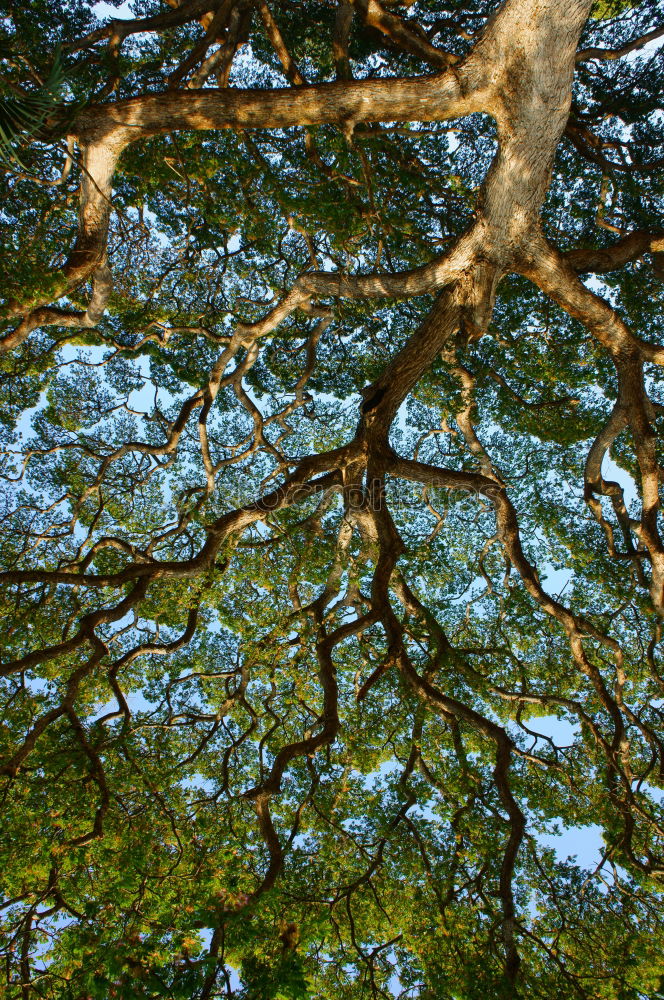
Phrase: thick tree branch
(608, 54)
(624, 251)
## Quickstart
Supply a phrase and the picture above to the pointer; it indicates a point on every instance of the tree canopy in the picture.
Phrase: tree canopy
(331, 375)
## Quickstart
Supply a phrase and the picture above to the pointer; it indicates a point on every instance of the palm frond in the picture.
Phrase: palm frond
(22, 117)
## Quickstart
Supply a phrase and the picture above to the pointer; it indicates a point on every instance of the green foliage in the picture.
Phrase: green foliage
(187, 811)
(606, 9)
(279, 978)
(21, 118)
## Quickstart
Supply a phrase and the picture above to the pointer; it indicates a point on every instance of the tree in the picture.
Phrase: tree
(333, 574)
